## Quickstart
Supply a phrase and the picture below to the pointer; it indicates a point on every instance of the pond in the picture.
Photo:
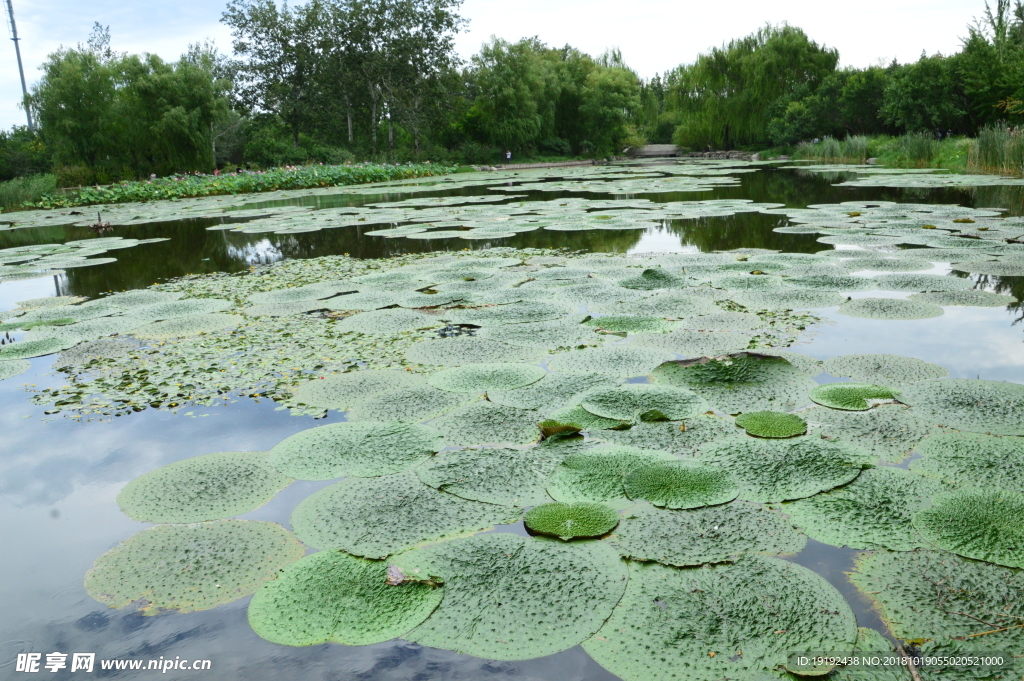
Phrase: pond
(671, 278)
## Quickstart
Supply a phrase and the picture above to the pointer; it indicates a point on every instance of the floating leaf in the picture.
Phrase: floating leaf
(889, 431)
(851, 396)
(788, 300)
(680, 484)
(972, 405)
(576, 419)
(771, 424)
(408, 405)
(777, 470)
(883, 369)
(476, 378)
(190, 307)
(188, 326)
(512, 598)
(191, 567)
(598, 474)
(630, 323)
(712, 534)
(973, 460)
(671, 436)
(983, 524)
(208, 487)
(341, 391)
(482, 423)
(366, 449)
(571, 521)
(12, 368)
(889, 308)
(551, 391)
(466, 350)
(694, 343)
(331, 596)
(965, 298)
(511, 477)
(644, 402)
(383, 516)
(921, 282)
(618, 360)
(386, 322)
(34, 348)
(544, 335)
(735, 621)
(873, 511)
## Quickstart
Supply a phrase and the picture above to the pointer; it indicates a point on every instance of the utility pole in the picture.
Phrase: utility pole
(21, 69)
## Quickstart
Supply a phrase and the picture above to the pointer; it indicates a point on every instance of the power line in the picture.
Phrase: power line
(21, 69)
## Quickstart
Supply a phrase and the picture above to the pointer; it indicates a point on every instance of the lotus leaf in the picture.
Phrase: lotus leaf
(366, 449)
(513, 313)
(984, 524)
(778, 470)
(733, 621)
(294, 294)
(191, 567)
(331, 596)
(644, 402)
(851, 396)
(511, 598)
(571, 521)
(341, 391)
(481, 423)
(576, 419)
(655, 278)
(873, 511)
(475, 378)
(283, 309)
(671, 305)
(883, 369)
(208, 487)
(713, 534)
(771, 424)
(188, 326)
(127, 300)
(724, 321)
(889, 308)
(614, 360)
(510, 477)
(598, 474)
(383, 516)
(680, 484)
(972, 405)
(973, 460)
(466, 350)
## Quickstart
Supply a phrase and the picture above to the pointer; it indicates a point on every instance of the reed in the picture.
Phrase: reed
(15, 193)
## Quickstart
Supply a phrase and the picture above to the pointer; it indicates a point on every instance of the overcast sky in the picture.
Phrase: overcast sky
(654, 35)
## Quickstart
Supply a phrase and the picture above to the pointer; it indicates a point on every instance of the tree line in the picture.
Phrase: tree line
(333, 81)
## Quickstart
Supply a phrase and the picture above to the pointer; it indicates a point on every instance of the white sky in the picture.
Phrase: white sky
(654, 35)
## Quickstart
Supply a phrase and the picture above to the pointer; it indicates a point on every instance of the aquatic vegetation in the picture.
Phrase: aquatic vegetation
(965, 298)
(571, 521)
(208, 487)
(771, 424)
(191, 567)
(889, 308)
(642, 402)
(679, 438)
(712, 534)
(680, 484)
(703, 618)
(598, 474)
(973, 460)
(984, 524)
(874, 511)
(888, 431)
(973, 405)
(333, 596)
(13, 367)
(883, 369)
(851, 396)
(341, 391)
(477, 378)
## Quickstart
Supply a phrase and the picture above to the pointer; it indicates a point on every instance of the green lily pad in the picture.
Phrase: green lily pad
(694, 343)
(771, 424)
(191, 567)
(466, 350)
(888, 431)
(551, 391)
(514, 313)
(481, 423)
(365, 449)
(644, 402)
(788, 300)
(883, 369)
(383, 516)
(973, 460)
(190, 307)
(598, 474)
(920, 283)
(571, 521)
(972, 405)
(680, 484)
(712, 534)
(283, 309)
(630, 323)
(476, 378)
(510, 477)
(668, 304)
(408, 405)
(674, 437)
(851, 396)
(654, 278)
(735, 621)
(889, 308)
(341, 391)
(12, 368)
(188, 326)
(779, 470)
(614, 360)
(874, 511)
(34, 348)
(385, 322)
(331, 596)
(576, 419)
(965, 298)
(984, 524)
(208, 487)
(544, 335)
(317, 291)
(127, 300)
(512, 598)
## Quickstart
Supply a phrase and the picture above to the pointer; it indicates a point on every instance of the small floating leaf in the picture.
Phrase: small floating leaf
(680, 484)
(570, 521)
(851, 396)
(771, 424)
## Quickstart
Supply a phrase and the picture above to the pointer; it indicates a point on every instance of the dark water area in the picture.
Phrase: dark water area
(59, 478)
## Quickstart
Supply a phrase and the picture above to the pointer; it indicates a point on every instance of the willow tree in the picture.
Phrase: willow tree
(730, 94)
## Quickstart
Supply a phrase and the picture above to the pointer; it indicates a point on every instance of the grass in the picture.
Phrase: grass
(29, 189)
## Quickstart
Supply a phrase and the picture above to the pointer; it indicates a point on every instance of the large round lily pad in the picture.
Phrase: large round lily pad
(385, 322)
(883, 369)
(482, 423)
(552, 391)
(873, 511)
(208, 487)
(189, 307)
(12, 368)
(332, 596)
(771, 424)
(341, 391)
(615, 360)
(968, 404)
(513, 477)
(671, 436)
(598, 474)
(888, 431)
(984, 524)
(778, 470)
(34, 348)
(191, 567)
(851, 396)
(365, 449)
(413, 404)
(571, 521)
(973, 460)
(466, 350)
(731, 621)
(512, 598)
(644, 402)
(630, 323)
(383, 516)
(476, 378)
(680, 484)
(889, 308)
(712, 534)
(188, 326)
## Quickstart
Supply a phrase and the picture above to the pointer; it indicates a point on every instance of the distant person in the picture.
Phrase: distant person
(508, 156)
